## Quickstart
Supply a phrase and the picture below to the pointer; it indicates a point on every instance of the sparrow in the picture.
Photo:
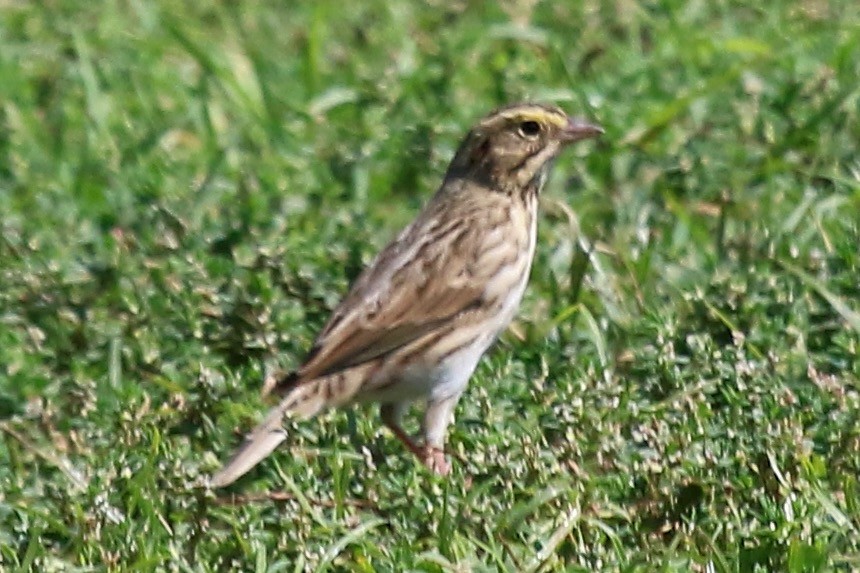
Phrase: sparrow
(415, 323)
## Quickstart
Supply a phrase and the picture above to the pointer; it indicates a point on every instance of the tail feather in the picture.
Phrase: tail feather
(304, 401)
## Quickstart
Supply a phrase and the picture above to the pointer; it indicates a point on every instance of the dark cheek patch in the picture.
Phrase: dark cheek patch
(480, 151)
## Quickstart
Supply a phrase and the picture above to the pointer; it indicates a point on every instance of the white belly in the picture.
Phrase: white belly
(450, 375)
(428, 380)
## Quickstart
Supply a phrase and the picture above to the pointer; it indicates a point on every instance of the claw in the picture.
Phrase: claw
(436, 462)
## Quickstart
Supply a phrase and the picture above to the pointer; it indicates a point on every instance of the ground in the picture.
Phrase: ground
(188, 188)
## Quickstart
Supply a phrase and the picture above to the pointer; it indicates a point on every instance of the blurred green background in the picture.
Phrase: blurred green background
(187, 188)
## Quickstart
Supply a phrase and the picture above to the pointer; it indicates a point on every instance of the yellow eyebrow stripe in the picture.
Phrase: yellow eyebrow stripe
(535, 114)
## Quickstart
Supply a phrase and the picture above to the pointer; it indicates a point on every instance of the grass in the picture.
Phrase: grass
(188, 188)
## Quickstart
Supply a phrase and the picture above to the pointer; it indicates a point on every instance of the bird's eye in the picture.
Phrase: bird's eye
(529, 128)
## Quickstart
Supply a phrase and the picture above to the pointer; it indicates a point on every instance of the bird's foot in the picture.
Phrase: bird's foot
(435, 460)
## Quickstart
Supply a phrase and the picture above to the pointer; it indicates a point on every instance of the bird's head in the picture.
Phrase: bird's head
(512, 148)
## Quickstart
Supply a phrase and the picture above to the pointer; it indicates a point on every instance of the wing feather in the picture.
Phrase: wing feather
(423, 280)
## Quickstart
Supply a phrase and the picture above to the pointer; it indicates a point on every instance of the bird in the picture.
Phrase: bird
(415, 323)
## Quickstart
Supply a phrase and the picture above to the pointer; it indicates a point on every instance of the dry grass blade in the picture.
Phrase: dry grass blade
(284, 496)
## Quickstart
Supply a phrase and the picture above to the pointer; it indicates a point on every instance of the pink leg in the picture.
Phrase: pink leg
(436, 462)
(431, 455)
(436, 420)
(391, 414)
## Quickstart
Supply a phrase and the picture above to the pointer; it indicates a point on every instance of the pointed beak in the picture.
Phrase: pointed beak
(579, 128)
